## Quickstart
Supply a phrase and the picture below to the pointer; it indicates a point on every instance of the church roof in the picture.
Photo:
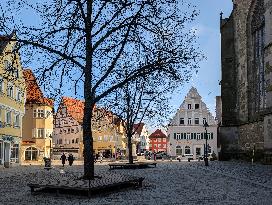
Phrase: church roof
(34, 94)
(157, 134)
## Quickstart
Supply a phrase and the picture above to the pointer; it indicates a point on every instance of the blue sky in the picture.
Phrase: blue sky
(208, 31)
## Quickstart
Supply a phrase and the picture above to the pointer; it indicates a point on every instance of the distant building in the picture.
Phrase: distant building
(108, 134)
(186, 132)
(37, 122)
(141, 133)
(158, 141)
(246, 85)
(12, 102)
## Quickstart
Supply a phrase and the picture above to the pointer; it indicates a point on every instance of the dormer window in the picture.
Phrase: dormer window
(196, 106)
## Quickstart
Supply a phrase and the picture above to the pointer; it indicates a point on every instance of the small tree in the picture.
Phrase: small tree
(80, 44)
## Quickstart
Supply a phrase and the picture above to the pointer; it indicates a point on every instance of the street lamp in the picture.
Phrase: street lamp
(206, 146)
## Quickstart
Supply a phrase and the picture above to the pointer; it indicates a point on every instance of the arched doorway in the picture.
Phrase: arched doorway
(31, 153)
(178, 151)
(187, 150)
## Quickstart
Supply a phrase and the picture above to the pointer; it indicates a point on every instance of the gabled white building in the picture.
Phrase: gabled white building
(142, 136)
(186, 131)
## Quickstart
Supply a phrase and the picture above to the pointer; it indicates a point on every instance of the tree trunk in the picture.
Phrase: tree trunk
(89, 101)
(88, 142)
(130, 157)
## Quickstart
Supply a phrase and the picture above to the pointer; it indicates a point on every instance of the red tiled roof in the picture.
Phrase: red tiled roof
(74, 107)
(138, 127)
(34, 94)
(157, 134)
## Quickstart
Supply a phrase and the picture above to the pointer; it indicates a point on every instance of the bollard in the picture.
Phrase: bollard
(47, 163)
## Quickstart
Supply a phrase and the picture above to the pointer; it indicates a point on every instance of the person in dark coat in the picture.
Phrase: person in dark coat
(70, 159)
(63, 159)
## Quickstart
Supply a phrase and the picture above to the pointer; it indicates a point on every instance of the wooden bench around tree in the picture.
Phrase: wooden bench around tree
(139, 165)
(109, 182)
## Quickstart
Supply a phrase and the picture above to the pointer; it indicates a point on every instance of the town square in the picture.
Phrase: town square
(136, 102)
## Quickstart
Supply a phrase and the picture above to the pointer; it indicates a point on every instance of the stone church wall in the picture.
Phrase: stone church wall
(243, 129)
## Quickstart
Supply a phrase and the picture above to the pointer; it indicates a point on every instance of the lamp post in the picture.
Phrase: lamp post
(206, 145)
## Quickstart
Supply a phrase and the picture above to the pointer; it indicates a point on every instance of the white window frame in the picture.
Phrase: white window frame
(178, 136)
(40, 133)
(189, 121)
(1, 84)
(7, 64)
(196, 119)
(34, 113)
(10, 90)
(8, 118)
(17, 120)
(40, 113)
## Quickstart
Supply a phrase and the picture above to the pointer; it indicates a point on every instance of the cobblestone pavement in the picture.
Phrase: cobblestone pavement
(169, 183)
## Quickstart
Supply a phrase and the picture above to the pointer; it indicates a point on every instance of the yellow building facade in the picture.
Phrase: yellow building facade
(12, 99)
(37, 123)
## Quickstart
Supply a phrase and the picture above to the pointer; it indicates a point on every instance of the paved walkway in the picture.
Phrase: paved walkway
(168, 183)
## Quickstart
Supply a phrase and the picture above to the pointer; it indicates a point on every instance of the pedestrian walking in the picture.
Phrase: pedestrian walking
(63, 159)
(155, 156)
(70, 159)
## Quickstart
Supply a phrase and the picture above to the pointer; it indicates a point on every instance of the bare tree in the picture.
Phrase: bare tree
(143, 100)
(82, 43)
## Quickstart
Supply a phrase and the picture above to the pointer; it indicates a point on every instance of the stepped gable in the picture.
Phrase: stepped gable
(157, 134)
(138, 128)
(34, 94)
(193, 93)
(75, 108)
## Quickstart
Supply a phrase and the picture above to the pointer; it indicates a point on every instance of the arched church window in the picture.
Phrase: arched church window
(256, 61)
